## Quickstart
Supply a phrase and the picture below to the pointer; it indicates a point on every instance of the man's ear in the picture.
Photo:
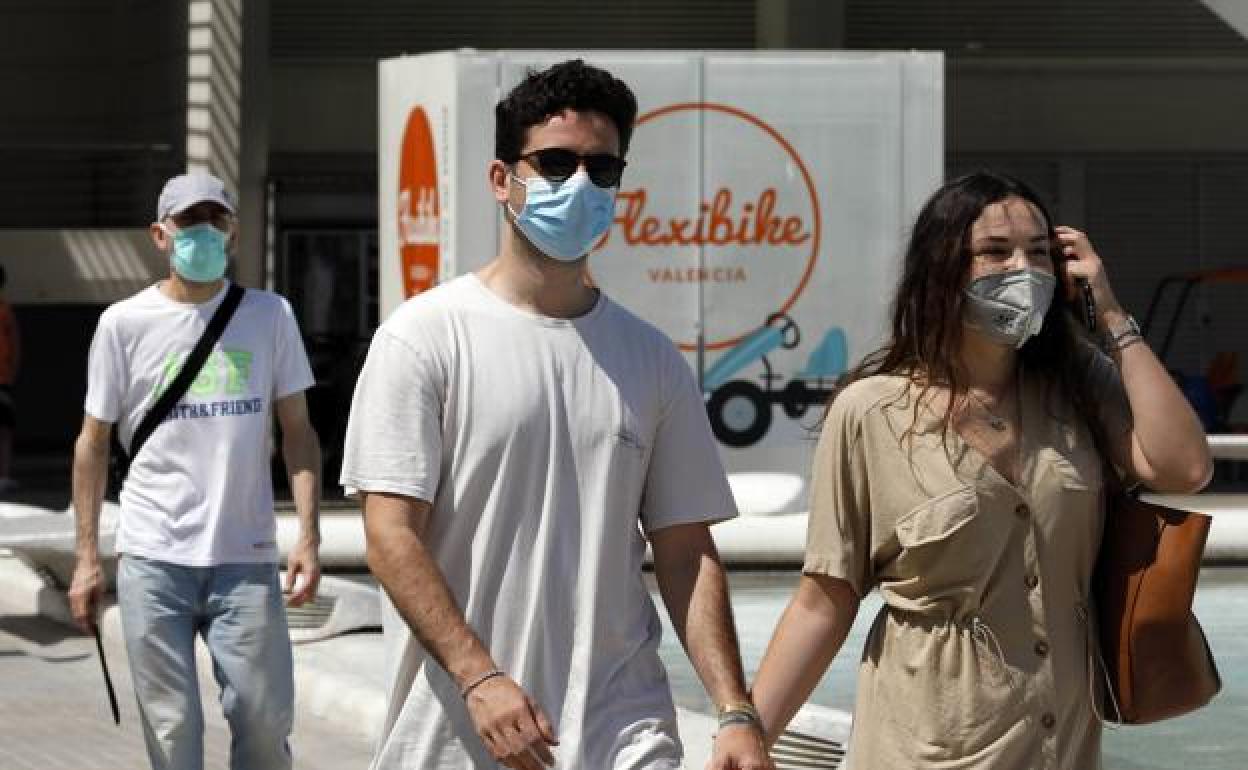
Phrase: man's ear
(499, 177)
(159, 237)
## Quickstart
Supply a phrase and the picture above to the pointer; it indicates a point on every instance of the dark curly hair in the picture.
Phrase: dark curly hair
(928, 305)
(571, 84)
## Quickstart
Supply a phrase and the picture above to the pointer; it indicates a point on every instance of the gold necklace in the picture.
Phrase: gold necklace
(997, 422)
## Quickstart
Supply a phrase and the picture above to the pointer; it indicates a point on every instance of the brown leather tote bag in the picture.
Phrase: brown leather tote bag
(1158, 662)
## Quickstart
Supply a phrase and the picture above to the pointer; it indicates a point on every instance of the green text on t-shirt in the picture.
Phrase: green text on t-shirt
(225, 373)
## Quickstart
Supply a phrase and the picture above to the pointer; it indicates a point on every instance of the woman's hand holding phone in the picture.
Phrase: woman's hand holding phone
(1086, 279)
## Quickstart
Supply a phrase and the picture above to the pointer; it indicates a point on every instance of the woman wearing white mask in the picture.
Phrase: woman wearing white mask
(959, 471)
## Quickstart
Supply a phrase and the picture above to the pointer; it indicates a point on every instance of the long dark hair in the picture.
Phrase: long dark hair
(927, 309)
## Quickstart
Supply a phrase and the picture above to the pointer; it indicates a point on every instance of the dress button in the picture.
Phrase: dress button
(1022, 511)
(1048, 720)
(1032, 581)
(1042, 648)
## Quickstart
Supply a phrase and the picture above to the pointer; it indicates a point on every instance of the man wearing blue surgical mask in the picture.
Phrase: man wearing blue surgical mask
(516, 439)
(196, 240)
(196, 535)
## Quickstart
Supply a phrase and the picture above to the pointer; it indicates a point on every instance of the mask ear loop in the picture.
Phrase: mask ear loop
(511, 174)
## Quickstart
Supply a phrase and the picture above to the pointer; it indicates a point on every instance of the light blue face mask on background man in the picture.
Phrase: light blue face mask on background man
(566, 219)
(1010, 307)
(198, 252)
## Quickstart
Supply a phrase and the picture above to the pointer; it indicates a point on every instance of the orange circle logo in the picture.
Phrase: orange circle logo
(419, 222)
(717, 212)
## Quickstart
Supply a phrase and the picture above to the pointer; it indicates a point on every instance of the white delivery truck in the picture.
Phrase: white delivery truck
(760, 222)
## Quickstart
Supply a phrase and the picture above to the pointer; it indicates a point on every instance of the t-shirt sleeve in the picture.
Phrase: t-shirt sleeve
(106, 366)
(838, 538)
(685, 480)
(291, 371)
(394, 432)
(1104, 385)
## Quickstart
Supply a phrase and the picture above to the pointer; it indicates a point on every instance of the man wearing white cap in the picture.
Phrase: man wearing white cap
(197, 536)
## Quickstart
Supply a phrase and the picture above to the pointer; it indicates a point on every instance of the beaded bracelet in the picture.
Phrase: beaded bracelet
(475, 683)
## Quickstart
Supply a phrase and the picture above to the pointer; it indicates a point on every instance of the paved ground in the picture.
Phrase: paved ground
(54, 711)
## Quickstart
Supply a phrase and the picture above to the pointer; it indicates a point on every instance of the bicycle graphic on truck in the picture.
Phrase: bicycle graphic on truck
(740, 410)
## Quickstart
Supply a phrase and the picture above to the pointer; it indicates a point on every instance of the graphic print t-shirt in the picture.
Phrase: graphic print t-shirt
(199, 492)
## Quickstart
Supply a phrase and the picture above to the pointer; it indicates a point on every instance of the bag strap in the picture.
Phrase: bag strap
(190, 368)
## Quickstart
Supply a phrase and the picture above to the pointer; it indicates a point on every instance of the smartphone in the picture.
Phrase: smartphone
(1089, 304)
(1086, 302)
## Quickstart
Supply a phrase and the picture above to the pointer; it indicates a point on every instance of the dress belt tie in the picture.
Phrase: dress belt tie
(1096, 662)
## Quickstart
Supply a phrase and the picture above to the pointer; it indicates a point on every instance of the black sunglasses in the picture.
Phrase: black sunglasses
(557, 164)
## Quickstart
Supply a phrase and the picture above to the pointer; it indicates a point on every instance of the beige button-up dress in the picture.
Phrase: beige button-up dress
(980, 657)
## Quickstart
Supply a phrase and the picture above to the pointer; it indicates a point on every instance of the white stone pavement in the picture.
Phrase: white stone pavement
(338, 684)
(54, 712)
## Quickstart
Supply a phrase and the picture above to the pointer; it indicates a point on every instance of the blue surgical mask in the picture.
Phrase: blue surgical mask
(1010, 307)
(564, 220)
(198, 252)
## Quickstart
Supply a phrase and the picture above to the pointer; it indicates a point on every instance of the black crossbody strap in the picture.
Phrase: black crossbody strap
(190, 368)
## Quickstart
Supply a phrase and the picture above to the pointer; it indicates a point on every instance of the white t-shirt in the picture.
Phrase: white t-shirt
(199, 492)
(546, 447)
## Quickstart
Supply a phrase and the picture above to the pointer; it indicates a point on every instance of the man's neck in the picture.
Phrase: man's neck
(191, 292)
(534, 282)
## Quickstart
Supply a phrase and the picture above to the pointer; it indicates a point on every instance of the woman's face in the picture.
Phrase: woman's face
(1010, 234)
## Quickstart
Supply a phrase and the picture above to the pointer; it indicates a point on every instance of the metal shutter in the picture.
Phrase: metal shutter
(93, 118)
(1223, 196)
(1092, 28)
(373, 29)
(1141, 215)
(1040, 173)
(1155, 216)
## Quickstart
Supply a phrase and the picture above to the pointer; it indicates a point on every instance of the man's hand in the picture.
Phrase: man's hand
(513, 727)
(303, 572)
(693, 585)
(739, 747)
(86, 592)
(301, 451)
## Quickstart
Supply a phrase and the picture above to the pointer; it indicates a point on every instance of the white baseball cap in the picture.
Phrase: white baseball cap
(185, 190)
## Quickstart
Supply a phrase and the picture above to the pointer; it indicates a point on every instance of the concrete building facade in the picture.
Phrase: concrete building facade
(1130, 115)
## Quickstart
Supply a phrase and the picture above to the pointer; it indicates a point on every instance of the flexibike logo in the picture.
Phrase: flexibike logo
(717, 210)
(418, 215)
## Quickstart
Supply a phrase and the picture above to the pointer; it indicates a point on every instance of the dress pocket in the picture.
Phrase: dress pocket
(938, 519)
(946, 548)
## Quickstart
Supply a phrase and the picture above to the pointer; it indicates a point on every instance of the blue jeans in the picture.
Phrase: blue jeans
(238, 610)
